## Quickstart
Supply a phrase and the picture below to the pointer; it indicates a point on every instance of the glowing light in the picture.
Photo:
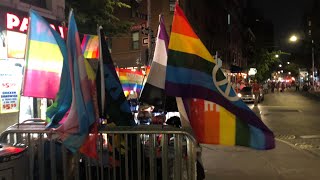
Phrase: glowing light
(293, 38)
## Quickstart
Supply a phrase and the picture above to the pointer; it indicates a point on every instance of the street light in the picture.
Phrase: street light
(294, 38)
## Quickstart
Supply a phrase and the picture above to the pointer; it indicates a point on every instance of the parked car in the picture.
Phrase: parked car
(246, 94)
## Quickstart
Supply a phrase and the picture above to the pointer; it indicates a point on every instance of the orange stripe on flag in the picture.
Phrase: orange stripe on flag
(212, 123)
(181, 25)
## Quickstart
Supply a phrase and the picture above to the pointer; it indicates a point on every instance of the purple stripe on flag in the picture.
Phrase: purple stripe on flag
(249, 117)
(163, 33)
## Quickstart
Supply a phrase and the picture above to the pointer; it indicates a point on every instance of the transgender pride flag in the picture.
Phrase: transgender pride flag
(44, 58)
(76, 124)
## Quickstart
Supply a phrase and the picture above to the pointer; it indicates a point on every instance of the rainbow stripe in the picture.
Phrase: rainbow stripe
(44, 58)
(190, 75)
(131, 80)
(90, 46)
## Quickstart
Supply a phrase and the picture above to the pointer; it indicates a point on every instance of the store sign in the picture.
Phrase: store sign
(10, 85)
(20, 24)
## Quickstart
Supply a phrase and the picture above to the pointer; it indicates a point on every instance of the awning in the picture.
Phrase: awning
(235, 69)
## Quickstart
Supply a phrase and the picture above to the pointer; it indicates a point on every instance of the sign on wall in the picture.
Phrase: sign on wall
(10, 85)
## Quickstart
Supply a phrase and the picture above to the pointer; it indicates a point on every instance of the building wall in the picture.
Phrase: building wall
(122, 51)
(220, 25)
(209, 18)
(53, 10)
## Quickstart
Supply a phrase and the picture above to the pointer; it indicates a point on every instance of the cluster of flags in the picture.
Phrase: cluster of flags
(182, 72)
(76, 110)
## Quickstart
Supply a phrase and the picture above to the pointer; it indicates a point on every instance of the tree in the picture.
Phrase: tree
(91, 13)
(293, 69)
(263, 61)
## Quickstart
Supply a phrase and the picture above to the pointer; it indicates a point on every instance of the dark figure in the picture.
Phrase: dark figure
(176, 122)
(297, 86)
(272, 87)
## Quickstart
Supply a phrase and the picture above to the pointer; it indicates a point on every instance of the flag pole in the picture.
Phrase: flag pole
(102, 87)
(26, 54)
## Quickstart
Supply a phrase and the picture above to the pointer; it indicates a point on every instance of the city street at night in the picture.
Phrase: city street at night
(160, 90)
(294, 118)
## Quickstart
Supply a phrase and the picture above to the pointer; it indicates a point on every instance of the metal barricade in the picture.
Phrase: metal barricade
(129, 153)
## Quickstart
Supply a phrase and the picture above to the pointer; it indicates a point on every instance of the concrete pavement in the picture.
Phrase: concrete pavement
(285, 162)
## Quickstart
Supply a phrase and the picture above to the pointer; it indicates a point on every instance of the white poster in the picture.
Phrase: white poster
(10, 85)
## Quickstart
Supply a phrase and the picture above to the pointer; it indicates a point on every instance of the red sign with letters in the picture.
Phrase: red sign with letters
(14, 20)
(21, 24)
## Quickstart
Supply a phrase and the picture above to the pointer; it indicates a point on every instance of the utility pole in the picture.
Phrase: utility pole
(312, 57)
(149, 32)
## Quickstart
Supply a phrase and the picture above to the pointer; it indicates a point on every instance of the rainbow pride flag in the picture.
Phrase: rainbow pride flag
(193, 73)
(90, 46)
(131, 80)
(44, 58)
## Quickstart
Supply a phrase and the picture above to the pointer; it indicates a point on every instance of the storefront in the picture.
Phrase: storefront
(13, 34)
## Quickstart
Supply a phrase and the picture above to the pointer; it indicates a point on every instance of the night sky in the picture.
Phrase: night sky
(286, 15)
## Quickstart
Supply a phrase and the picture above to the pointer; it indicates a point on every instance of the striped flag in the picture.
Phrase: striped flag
(45, 53)
(193, 73)
(76, 125)
(153, 91)
(131, 80)
(90, 46)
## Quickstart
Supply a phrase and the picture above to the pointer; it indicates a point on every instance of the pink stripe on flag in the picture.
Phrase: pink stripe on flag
(46, 82)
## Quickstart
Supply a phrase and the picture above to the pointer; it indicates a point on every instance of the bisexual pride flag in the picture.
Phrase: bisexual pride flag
(192, 72)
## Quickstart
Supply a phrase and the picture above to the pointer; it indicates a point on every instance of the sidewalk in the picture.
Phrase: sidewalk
(285, 162)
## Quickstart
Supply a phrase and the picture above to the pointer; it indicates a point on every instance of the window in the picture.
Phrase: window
(172, 5)
(38, 3)
(135, 40)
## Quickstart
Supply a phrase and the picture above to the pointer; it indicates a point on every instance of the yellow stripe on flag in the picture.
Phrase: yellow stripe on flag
(44, 56)
(190, 45)
(227, 127)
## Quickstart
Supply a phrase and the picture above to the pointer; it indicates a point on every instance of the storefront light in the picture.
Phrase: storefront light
(16, 44)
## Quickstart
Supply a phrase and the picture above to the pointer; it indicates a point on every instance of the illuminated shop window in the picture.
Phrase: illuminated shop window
(16, 44)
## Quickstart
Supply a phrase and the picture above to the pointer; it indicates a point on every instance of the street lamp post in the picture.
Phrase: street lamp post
(294, 38)
(312, 57)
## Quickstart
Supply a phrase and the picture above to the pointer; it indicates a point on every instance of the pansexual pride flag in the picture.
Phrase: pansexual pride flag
(192, 73)
(90, 46)
(44, 58)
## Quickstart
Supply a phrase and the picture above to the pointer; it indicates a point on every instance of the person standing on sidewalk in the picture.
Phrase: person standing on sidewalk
(297, 86)
(256, 92)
